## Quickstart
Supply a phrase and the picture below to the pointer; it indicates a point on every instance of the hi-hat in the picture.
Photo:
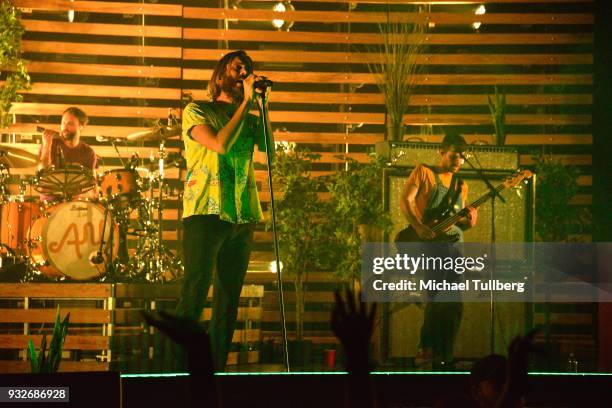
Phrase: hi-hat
(156, 133)
(14, 157)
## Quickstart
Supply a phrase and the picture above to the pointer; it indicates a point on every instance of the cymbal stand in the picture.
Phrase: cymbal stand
(153, 259)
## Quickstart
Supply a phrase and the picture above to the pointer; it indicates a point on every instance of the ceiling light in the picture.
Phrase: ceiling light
(281, 7)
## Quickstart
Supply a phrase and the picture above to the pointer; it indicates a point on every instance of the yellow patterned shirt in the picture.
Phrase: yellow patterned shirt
(216, 183)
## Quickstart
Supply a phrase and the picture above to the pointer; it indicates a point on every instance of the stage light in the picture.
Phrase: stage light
(479, 12)
(273, 266)
(281, 7)
(71, 15)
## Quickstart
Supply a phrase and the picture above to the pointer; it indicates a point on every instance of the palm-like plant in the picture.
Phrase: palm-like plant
(48, 362)
(395, 69)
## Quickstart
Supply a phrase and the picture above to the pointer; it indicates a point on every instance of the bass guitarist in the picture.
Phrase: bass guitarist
(431, 193)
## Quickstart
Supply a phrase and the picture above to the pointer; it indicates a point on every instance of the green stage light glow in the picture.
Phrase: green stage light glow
(387, 373)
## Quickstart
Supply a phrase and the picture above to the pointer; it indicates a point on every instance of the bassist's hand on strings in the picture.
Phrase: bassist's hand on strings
(471, 218)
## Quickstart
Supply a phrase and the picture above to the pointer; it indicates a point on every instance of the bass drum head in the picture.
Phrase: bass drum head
(68, 234)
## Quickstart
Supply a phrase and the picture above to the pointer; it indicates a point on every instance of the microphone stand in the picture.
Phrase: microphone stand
(263, 109)
(494, 194)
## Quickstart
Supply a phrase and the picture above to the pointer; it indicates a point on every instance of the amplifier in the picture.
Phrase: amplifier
(406, 154)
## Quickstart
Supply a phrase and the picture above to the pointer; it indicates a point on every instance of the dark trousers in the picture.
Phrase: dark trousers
(210, 244)
(443, 310)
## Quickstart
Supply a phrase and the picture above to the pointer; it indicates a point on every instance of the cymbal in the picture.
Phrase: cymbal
(156, 133)
(14, 157)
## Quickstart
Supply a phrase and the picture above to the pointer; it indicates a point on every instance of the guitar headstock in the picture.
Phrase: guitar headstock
(514, 180)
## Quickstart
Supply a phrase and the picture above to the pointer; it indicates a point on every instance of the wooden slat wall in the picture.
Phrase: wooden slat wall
(127, 62)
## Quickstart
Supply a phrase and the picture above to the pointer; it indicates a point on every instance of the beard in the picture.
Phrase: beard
(230, 87)
(68, 135)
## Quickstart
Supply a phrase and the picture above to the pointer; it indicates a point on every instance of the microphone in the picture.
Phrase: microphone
(102, 139)
(96, 258)
(263, 83)
(41, 129)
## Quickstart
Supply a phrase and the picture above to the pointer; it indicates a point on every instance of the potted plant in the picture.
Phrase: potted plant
(48, 362)
(10, 60)
(497, 108)
(356, 205)
(301, 230)
(394, 69)
(556, 218)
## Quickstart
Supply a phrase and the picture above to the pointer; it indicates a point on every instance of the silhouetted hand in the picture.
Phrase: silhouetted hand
(188, 334)
(353, 325)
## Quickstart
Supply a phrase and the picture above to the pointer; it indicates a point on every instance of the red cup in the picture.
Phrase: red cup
(329, 358)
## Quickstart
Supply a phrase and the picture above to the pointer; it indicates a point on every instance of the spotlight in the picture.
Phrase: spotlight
(281, 7)
(479, 12)
(71, 15)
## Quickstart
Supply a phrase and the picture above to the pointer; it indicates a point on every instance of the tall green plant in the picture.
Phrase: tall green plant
(395, 68)
(497, 107)
(300, 222)
(17, 79)
(356, 203)
(556, 218)
(48, 362)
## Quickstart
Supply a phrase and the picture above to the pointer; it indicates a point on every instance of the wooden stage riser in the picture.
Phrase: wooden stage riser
(106, 323)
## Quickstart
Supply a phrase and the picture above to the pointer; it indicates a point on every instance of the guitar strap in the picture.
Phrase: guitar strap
(452, 194)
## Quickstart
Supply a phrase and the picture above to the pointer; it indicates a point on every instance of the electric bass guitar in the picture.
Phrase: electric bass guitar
(446, 220)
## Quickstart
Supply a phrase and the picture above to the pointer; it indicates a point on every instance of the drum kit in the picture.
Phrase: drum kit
(63, 234)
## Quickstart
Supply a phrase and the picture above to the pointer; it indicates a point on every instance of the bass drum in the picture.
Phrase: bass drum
(68, 235)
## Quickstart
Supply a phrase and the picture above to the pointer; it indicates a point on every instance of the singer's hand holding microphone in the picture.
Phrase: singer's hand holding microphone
(255, 85)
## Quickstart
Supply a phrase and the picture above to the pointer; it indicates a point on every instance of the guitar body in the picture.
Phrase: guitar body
(408, 234)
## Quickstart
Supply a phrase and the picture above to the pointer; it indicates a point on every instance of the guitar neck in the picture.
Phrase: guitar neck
(476, 203)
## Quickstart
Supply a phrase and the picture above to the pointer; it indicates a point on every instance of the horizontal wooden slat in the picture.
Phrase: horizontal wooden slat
(252, 357)
(459, 2)
(172, 291)
(309, 317)
(358, 38)
(50, 88)
(73, 342)
(55, 290)
(131, 30)
(242, 336)
(137, 71)
(24, 108)
(118, 50)
(102, 7)
(9, 367)
(81, 315)
(364, 57)
(565, 318)
(417, 99)
(381, 17)
(127, 92)
(428, 79)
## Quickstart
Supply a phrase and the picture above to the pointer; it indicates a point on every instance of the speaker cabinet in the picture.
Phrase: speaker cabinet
(513, 223)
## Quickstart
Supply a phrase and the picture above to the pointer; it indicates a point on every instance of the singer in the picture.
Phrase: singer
(430, 193)
(220, 201)
(58, 149)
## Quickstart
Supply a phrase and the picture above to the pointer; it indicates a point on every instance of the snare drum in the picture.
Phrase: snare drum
(68, 234)
(118, 183)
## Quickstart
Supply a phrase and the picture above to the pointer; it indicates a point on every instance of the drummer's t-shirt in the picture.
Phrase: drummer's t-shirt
(82, 154)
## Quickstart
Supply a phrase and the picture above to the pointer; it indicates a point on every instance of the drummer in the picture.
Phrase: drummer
(66, 147)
